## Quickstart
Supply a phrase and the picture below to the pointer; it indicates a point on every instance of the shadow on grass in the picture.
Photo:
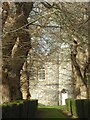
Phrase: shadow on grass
(51, 113)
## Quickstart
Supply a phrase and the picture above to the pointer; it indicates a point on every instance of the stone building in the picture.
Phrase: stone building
(49, 77)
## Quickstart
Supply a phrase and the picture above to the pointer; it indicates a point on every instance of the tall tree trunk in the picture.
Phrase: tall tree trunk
(7, 44)
(12, 65)
(88, 62)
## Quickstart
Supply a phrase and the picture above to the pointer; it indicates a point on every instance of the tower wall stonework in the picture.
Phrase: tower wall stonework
(48, 91)
(65, 80)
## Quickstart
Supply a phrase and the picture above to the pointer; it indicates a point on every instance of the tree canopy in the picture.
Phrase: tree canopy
(44, 28)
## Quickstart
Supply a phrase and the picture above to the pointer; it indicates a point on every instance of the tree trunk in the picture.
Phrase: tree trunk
(20, 55)
(80, 81)
(25, 82)
(12, 65)
(88, 62)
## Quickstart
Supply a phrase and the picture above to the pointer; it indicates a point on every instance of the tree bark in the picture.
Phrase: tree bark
(79, 75)
(88, 62)
(25, 82)
(12, 65)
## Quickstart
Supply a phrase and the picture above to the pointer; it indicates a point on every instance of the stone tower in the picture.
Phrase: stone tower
(50, 78)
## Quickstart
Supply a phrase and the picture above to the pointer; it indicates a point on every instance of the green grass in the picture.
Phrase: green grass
(51, 112)
(62, 107)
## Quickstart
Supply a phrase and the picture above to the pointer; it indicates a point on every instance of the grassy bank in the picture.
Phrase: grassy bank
(51, 112)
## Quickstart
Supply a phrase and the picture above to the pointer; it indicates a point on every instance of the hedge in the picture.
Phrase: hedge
(79, 107)
(73, 107)
(20, 109)
(68, 105)
(87, 108)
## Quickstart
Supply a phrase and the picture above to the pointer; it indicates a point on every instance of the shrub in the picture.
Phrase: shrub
(73, 107)
(87, 108)
(80, 108)
(11, 110)
(68, 104)
(19, 109)
(31, 106)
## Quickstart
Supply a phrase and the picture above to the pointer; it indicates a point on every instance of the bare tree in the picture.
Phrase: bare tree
(12, 65)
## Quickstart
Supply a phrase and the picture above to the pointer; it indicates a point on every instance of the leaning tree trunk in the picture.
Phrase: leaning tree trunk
(25, 82)
(84, 76)
(79, 74)
(88, 62)
(20, 56)
(12, 64)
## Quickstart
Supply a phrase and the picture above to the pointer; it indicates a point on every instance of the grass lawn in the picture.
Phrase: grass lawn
(51, 112)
